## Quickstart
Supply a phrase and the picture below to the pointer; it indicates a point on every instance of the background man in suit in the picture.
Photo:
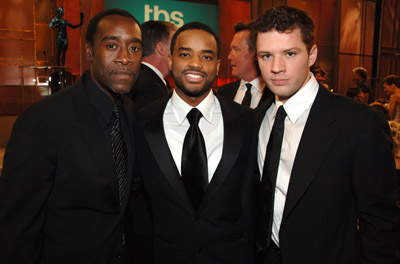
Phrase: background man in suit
(251, 88)
(200, 200)
(66, 171)
(151, 84)
(332, 166)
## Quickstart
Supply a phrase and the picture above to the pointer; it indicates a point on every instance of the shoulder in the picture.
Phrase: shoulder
(229, 86)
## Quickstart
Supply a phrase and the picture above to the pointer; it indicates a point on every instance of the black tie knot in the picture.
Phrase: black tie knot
(248, 85)
(194, 116)
(280, 114)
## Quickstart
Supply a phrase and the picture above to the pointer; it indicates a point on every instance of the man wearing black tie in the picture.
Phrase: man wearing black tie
(250, 90)
(151, 84)
(325, 161)
(193, 150)
(68, 168)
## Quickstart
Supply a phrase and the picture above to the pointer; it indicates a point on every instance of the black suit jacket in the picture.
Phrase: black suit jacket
(343, 171)
(221, 230)
(147, 88)
(59, 193)
(229, 91)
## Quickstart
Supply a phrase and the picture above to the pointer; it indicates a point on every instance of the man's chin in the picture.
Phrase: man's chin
(122, 88)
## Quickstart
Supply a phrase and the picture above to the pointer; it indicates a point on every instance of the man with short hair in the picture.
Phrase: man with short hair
(327, 190)
(68, 166)
(360, 76)
(151, 84)
(193, 155)
(250, 89)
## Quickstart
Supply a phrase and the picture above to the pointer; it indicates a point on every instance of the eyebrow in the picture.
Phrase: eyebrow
(113, 37)
(189, 49)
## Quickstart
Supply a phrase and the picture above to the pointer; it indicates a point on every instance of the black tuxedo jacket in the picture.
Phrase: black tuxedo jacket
(147, 88)
(59, 192)
(221, 230)
(343, 171)
(229, 91)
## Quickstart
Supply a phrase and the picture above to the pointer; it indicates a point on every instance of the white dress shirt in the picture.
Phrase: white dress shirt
(297, 108)
(257, 89)
(211, 126)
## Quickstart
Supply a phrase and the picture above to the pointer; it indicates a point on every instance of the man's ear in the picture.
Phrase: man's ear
(170, 62)
(89, 51)
(313, 55)
(161, 48)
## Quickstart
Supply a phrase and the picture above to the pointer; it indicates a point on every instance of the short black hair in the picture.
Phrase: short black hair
(154, 31)
(196, 25)
(285, 18)
(94, 22)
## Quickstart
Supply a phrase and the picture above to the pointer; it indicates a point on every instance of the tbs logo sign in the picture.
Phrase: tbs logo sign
(156, 13)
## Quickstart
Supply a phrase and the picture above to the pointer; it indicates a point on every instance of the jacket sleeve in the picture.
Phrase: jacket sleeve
(374, 185)
(25, 185)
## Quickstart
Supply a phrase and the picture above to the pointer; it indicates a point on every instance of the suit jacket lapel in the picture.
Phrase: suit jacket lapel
(234, 127)
(318, 135)
(93, 135)
(155, 135)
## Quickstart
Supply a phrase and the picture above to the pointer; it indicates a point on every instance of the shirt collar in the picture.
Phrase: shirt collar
(159, 74)
(258, 83)
(180, 108)
(101, 102)
(300, 101)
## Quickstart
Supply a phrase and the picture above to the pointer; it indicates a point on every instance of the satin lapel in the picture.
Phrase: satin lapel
(155, 136)
(259, 114)
(234, 128)
(318, 135)
(93, 135)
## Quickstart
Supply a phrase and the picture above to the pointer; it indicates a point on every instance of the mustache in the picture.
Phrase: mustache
(194, 70)
(122, 71)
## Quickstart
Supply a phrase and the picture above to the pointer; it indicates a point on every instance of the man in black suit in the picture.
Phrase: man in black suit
(329, 162)
(201, 204)
(250, 89)
(151, 84)
(68, 166)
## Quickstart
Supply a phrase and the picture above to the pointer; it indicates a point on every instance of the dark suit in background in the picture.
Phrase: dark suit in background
(66, 208)
(229, 91)
(221, 230)
(148, 88)
(343, 171)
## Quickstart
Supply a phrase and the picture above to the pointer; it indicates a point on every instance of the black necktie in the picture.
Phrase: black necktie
(247, 97)
(119, 154)
(194, 160)
(265, 201)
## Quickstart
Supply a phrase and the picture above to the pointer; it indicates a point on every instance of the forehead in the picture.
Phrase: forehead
(117, 24)
(241, 36)
(280, 40)
(196, 39)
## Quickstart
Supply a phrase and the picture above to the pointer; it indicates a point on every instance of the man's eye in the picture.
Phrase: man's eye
(207, 57)
(184, 55)
(110, 46)
(135, 49)
(291, 54)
